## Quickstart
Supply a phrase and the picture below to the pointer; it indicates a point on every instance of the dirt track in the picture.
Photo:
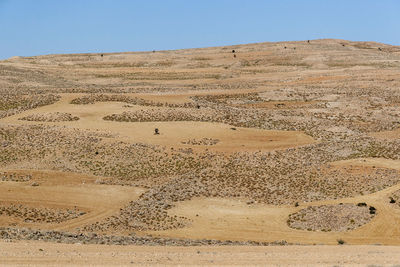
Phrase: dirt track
(34, 253)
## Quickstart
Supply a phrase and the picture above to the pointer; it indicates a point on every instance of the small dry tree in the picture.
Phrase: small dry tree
(341, 241)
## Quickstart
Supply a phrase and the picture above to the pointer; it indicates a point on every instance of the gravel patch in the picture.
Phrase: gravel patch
(93, 238)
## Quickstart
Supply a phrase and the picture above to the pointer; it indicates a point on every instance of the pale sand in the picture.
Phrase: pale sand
(41, 253)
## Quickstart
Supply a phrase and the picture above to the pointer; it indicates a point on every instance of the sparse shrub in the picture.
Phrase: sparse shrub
(330, 217)
(278, 177)
(372, 210)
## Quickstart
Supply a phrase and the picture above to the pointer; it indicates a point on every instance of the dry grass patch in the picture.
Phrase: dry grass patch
(51, 117)
(15, 177)
(39, 215)
(11, 104)
(93, 98)
(326, 218)
(162, 115)
(201, 142)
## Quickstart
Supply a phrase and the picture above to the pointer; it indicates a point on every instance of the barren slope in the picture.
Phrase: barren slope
(245, 139)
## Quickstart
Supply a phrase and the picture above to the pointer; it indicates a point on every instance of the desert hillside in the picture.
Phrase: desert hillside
(257, 144)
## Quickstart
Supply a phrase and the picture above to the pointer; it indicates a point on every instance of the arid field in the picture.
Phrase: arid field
(283, 144)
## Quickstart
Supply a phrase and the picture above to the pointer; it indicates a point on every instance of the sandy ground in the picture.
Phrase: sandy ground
(230, 219)
(40, 253)
(387, 135)
(65, 190)
(172, 133)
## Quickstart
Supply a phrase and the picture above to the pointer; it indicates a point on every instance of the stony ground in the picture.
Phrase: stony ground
(24, 253)
(337, 218)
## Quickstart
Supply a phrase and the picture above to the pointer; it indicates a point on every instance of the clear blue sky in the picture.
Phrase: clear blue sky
(36, 27)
